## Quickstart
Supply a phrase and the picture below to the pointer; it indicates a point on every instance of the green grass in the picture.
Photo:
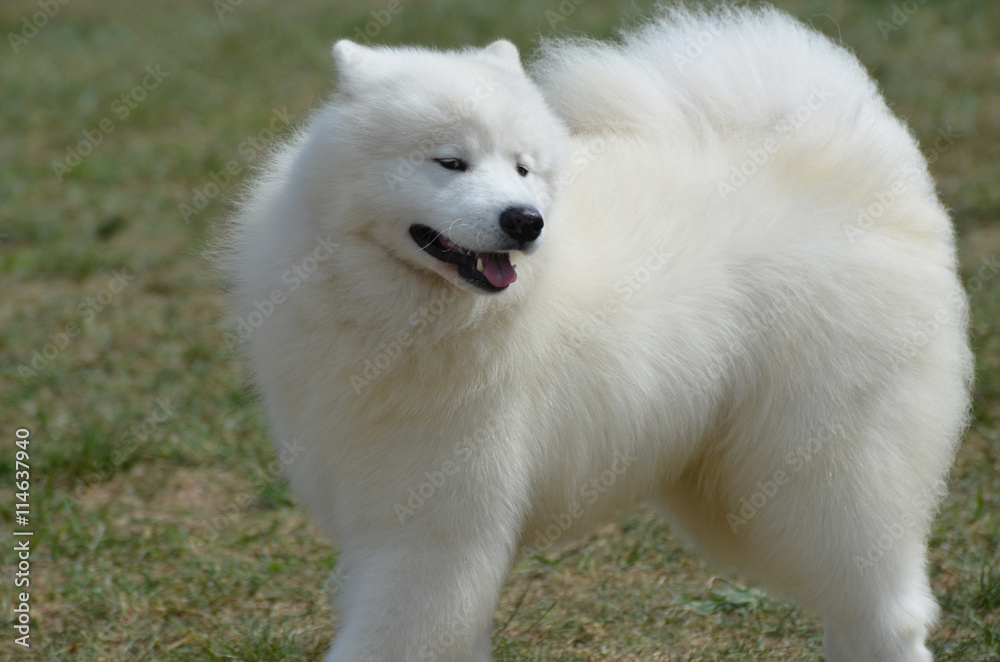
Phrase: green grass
(161, 531)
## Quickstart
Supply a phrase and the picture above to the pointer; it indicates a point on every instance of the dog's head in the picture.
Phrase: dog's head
(447, 161)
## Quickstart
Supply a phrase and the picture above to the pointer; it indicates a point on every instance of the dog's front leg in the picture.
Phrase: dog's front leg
(426, 589)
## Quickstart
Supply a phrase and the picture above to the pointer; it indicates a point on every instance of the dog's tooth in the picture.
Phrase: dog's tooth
(479, 264)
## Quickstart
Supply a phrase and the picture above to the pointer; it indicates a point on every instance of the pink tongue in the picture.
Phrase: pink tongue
(497, 269)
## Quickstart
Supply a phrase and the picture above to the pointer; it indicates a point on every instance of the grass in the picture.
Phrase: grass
(162, 531)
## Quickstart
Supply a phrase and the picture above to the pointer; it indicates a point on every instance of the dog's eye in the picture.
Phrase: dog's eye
(452, 164)
(521, 170)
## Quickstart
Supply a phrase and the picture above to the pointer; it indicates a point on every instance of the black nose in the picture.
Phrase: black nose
(521, 223)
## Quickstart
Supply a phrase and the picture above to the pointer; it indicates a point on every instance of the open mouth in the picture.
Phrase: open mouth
(491, 272)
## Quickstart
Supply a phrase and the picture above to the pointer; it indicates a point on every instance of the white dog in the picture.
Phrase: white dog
(704, 266)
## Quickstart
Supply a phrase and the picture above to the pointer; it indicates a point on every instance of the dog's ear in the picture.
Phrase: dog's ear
(346, 52)
(349, 58)
(505, 53)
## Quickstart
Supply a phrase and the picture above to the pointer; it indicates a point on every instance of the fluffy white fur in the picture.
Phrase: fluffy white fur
(744, 306)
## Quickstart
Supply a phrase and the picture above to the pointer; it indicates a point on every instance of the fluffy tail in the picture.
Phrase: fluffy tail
(739, 80)
(716, 70)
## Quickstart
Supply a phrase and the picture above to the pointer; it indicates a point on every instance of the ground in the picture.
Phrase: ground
(162, 528)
